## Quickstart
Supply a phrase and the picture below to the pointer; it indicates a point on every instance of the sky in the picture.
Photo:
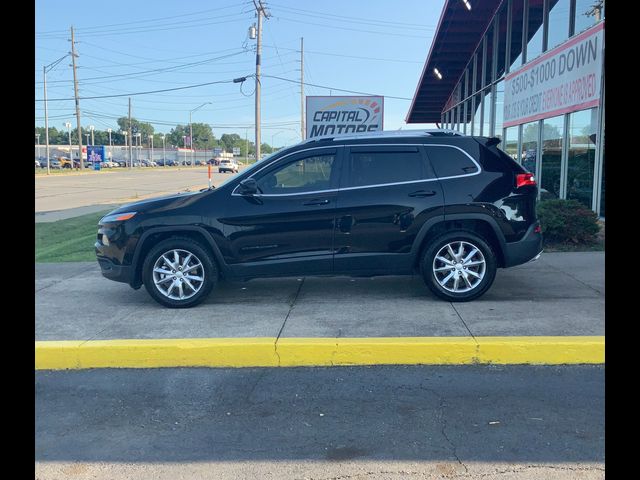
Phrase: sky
(125, 47)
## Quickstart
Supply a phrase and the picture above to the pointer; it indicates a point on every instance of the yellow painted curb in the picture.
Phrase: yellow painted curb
(298, 352)
(184, 352)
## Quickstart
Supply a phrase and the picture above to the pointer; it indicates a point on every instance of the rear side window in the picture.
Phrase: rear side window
(449, 161)
(381, 167)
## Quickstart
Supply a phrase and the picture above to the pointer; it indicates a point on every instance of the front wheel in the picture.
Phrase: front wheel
(179, 273)
(459, 266)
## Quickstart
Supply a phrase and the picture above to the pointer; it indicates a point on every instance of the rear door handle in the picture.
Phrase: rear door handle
(316, 201)
(423, 193)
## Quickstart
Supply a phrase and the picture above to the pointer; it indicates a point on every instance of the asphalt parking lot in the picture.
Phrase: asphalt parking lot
(417, 422)
(94, 191)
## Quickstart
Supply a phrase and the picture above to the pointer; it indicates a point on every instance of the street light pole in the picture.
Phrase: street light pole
(151, 142)
(184, 140)
(110, 145)
(193, 163)
(68, 125)
(125, 133)
(38, 144)
(164, 152)
(91, 127)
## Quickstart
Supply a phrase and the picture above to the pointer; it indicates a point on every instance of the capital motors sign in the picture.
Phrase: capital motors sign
(342, 115)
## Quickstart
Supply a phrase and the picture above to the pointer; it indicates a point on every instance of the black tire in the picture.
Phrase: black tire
(427, 266)
(210, 270)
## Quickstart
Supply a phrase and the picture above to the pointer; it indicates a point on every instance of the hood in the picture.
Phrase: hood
(162, 202)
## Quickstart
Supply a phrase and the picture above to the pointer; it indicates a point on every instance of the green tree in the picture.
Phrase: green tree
(137, 126)
(229, 141)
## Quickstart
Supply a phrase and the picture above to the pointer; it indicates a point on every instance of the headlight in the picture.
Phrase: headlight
(117, 217)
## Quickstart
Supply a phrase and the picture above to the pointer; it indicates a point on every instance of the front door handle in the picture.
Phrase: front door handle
(316, 201)
(423, 193)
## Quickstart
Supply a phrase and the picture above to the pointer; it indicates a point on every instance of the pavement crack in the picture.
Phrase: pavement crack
(291, 305)
(576, 279)
(463, 322)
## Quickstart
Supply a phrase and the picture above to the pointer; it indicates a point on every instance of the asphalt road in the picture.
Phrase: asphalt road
(490, 422)
(116, 186)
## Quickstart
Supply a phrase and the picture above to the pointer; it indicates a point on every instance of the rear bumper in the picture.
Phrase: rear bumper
(525, 250)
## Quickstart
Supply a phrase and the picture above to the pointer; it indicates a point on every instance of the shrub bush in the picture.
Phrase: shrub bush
(567, 221)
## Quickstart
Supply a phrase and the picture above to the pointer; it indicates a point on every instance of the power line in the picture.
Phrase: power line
(151, 20)
(143, 93)
(331, 54)
(325, 25)
(336, 89)
(353, 19)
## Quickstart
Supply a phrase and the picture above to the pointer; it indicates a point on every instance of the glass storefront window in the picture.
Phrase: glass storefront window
(558, 22)
(486, 120)
(534, 29)
(502, 41)
(515, 52)
(511, 143)
(602, 186)
(488, 69)
(551, 157)
(588, 13)
(582, 155)
(476, 115)
(529, 152)
(478, 85)
(499, 109)
(467, 119)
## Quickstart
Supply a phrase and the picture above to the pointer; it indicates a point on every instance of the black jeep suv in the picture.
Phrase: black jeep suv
(452, 207)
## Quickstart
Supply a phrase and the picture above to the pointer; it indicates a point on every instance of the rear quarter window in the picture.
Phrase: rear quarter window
(450, 161)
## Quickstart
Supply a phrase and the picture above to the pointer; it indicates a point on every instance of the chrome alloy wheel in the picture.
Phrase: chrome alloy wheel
(459, 267)
(178, 274)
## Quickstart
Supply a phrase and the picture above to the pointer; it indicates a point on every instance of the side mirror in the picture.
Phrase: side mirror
(248, 186)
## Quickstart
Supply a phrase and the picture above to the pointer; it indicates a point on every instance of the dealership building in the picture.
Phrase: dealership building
(532, 73)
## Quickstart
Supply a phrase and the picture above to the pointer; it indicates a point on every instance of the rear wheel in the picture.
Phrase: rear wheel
(179, 273)
(459, 266)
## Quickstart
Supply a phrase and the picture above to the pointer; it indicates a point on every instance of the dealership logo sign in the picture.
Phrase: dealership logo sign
(343, 115)
(563, 80)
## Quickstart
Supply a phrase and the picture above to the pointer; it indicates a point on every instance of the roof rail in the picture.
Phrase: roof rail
(388, 133)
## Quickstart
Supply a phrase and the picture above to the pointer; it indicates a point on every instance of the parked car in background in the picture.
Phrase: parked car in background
(38, 164)
(121, 163)
(212, 161)
(227, 165)
(54, 163)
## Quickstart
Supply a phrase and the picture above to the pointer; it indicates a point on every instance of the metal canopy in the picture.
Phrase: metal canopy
(458, 34)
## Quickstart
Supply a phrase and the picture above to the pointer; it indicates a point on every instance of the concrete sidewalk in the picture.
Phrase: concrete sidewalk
(562, 294)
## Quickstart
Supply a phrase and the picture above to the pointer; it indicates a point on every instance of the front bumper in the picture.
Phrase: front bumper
(525, 250)
(118, 273)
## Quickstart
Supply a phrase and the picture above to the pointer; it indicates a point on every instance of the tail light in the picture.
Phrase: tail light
(523, 179)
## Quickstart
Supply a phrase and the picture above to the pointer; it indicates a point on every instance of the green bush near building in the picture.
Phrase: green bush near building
(568, 222)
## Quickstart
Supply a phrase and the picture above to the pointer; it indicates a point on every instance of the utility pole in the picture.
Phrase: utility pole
(130, 137)
(75, 91)
(46, 122)
(246, 152)
(110, 145)
(260, 12)
(302, 132)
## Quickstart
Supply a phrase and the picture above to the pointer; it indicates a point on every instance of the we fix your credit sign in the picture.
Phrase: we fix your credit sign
(565, 79)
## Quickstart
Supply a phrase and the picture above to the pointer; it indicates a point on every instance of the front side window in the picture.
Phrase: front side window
(308, 174)
(379, 168)
(449, 161)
